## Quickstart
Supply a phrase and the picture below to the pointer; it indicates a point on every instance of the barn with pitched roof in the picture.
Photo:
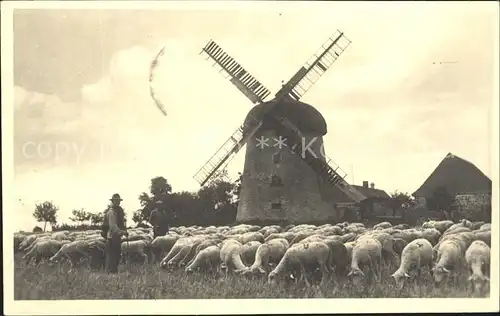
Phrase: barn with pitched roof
(462, 180)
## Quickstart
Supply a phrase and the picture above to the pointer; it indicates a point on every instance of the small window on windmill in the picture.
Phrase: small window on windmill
(276, 205)
(277, 157)
(276, 181)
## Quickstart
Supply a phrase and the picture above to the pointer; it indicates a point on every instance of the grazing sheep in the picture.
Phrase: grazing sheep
(399, 245)
(483, 235)
(136, 247)
(382, 225)
(162, 245)
(74, 251)
(416, 254)
(477, 258)
(302, 256)
(269, 252)
(340, 258)
(486, 226)
(208, 258)
(248, 250)
(367, 253)
(230, 255)
(43, 250)
(449, 258)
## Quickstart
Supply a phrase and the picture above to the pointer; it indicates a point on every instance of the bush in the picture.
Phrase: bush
(37, 229)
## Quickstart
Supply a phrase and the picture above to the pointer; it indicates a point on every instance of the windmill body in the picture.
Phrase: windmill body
(277, 185)
(289, 182)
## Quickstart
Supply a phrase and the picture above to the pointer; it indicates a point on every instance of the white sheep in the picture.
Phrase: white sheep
(382, 225)
(416, 254)
(43, 250)
(269, 252)
(477, 258)
(302, 256)
(136, 247)
(74, 251)
(206, 258)
(449, 258)
(230, 255)
(367, 253)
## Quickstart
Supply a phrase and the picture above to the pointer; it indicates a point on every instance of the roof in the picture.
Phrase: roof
(302, 115)
(371, 193)
(457, 175)
(340, 197)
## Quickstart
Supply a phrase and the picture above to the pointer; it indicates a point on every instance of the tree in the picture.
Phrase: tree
(96, 219)
(46, 212)
(160, 185)
(443, 200)
(80, 216)
(400, 200)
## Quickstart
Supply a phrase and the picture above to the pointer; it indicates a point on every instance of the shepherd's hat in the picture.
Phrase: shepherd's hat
(116, 197)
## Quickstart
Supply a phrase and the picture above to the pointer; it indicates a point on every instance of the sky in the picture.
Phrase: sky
(417, 82)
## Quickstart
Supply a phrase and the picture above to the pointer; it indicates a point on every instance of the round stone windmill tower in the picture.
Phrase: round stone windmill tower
(277, 185)
(285, 173)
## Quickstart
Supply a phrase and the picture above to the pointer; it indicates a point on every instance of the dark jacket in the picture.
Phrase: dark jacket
(160, 221)
(114, 221)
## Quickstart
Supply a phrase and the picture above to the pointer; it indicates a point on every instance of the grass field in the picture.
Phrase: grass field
(53, 282)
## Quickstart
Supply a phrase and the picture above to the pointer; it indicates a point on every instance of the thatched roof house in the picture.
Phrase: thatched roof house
(457, 175)
(470, 188)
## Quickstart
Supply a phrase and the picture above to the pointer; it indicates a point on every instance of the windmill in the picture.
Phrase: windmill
(291, 185)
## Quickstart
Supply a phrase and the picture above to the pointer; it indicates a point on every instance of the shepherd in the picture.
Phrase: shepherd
(159, 219)
(113, 229)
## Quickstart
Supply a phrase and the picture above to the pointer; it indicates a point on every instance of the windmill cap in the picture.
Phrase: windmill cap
(116, 197)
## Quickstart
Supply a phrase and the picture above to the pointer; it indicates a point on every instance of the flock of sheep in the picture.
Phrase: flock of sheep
(346, 251)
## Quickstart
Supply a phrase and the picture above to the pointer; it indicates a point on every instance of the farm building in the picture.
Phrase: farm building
(376, 203)
(463, 181)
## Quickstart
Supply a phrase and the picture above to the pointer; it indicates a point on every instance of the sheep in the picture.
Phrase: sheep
(73, 251)
(486, 226)
(367, 252)
(442, 226)
(302, 255)
(43, 250)
(386, 240)
(339, 256)
(207, 258)
(289, 236)
(162, 245)
(212, 241)
(477, 258)
(416, 254)
(230, 255)
(483, 235)
(449, 257)
(179, 251)
(401, 226)
(432, 235)
(382, 225)
(27, 242)
(269, 252)
(136, 247)
(251, 236)
(399, 245)
(248, 250)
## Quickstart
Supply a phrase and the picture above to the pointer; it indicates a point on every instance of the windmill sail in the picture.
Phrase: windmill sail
(230, 147)
(315, 67)
(245, 82)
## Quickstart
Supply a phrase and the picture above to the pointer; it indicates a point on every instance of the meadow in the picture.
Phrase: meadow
(47, 282)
